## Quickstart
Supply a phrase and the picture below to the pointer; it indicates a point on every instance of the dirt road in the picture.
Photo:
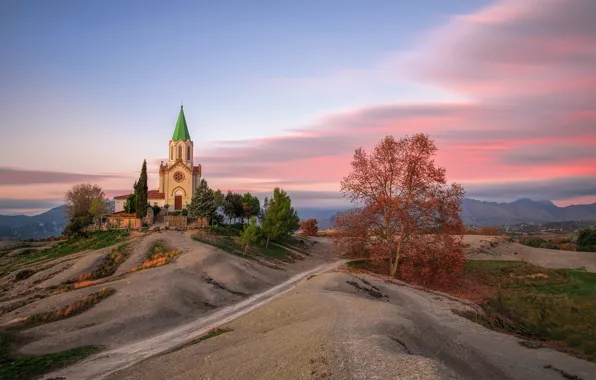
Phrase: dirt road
(105, 363)
(341, 326)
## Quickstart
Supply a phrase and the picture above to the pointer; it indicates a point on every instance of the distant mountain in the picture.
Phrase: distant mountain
(474, 212)
(50, 223)
(324, 217)
(481, 213)
(523, 210)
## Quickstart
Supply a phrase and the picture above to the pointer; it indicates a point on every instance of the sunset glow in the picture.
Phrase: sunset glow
(505, 88)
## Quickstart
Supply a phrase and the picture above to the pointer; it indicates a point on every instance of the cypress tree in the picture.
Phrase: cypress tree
(141, 192)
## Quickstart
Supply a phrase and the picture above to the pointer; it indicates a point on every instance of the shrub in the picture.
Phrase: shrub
(176, 213)
(309, 227)
(156, 209)
(76, 227)
(586, 241)
(185, 211)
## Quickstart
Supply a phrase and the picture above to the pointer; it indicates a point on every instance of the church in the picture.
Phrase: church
(178, 177)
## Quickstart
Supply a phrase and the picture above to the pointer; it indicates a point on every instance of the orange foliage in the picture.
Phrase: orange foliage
(72, 309)
(409, 217)
(158, 258)
(309, 227)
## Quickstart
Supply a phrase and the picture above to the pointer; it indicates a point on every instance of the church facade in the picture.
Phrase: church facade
(178, 177)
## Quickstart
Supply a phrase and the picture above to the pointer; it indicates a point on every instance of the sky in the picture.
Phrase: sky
(282, 93)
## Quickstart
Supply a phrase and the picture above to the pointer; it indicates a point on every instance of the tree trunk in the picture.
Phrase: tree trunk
(267, 245)
(245, 249)
(394, 264)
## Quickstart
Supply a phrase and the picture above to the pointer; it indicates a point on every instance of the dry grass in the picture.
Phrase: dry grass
(108, 267)
(70, 310)
(158, 255)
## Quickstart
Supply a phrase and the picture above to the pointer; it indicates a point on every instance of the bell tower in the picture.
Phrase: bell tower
(179, 178)
(181, 146)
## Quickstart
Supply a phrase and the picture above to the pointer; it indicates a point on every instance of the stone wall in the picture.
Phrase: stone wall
(149, 218)
(124, 221)
(178, 221)
(198, 222)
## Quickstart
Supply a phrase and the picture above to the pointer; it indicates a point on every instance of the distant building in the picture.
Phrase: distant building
(178, 178)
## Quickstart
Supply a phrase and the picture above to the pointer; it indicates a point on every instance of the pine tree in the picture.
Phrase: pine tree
(281, 219)
(141, 192)
(202, 204)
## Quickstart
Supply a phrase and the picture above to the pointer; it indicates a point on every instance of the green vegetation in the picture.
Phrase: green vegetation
(227, 229)
(557, 243)
(130, 206)
(202, 204)
(280, 220)
(233, 245)
(538, 303)
(586, 241)
(93, 241)
(213, 333)
(141, 192)
(31, 367)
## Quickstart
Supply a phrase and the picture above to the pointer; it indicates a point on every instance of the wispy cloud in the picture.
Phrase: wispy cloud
(528, 71)
(15, 176)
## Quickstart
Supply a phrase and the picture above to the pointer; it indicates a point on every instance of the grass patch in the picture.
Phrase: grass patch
(211, 334)
(95, 240)
(70, 310)
(556, 305)
(31, 367)
(158, 255)
(108, 267)
(227, 229)
(234, 246)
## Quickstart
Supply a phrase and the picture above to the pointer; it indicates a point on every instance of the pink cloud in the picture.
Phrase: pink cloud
(528, 69)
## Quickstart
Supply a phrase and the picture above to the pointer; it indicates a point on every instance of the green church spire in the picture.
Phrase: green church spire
(181, 131)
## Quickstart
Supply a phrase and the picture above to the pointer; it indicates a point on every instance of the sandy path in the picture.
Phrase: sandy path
(101, 365)
(325, 328)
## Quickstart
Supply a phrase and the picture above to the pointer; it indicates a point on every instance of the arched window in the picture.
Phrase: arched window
(188, 153)
(171, 153)
(180, 151)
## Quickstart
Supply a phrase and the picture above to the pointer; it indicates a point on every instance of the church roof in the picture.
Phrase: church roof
(155, 194)
(181, 131)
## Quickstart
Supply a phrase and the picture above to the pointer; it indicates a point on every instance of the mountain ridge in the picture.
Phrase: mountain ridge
(474, 212)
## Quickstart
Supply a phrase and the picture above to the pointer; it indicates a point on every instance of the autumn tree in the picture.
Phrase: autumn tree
(281, 219)
(407, 214)
(83, 201)
(309, 227)
(141, 191)
(202, 204)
